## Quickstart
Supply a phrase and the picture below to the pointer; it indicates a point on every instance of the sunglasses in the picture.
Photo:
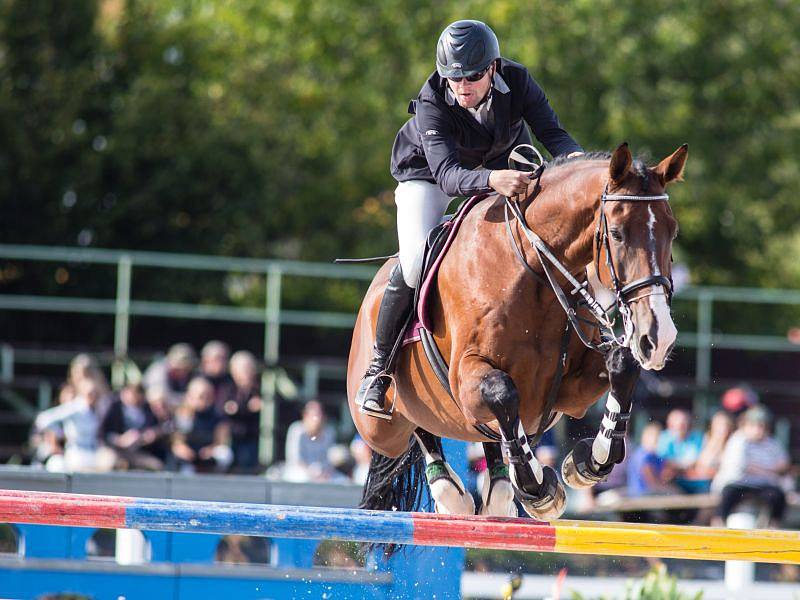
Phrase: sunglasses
(471, 78)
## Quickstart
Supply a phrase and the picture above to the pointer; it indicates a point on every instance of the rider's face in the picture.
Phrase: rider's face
(469, 94)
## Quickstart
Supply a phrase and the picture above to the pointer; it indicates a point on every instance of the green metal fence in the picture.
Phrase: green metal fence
(271, 315)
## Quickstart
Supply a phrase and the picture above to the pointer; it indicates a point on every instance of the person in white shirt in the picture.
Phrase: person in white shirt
(307, 445)
(80, 423)
(752, 466)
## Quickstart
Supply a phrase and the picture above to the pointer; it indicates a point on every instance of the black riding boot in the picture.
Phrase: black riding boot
(396, 303)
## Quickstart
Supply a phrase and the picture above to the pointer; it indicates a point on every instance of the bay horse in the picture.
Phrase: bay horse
(500, 314)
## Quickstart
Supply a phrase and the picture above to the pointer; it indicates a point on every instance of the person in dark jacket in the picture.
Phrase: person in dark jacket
(468, 117)
(132, 430)
(244, 411)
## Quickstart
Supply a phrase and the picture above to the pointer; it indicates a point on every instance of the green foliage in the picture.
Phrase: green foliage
(656, 585)
(264, 128)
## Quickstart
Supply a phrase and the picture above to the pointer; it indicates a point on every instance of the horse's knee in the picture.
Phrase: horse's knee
(621, 363)
(498, 391)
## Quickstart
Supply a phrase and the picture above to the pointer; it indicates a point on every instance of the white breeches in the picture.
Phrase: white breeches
(420, 207)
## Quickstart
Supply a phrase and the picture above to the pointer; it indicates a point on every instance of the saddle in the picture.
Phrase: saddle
(438, 243)
(420, 323)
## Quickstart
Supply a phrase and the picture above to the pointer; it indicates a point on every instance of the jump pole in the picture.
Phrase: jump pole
(420, 529)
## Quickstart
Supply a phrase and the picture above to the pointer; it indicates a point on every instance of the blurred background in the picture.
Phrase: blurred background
(185, 171)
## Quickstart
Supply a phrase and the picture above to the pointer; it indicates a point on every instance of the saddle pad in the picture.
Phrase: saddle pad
(412, 332)
(429, 277)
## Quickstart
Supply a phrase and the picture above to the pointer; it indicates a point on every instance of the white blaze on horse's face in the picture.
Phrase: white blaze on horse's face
(654, 332)
(641, 236)
(639, 232)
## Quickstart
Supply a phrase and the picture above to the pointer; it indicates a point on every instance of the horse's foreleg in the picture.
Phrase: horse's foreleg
(536, 487)
(449, 494)
(592, 460)
(496, 491)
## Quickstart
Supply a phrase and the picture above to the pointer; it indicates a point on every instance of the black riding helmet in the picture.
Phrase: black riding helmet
(465, 48)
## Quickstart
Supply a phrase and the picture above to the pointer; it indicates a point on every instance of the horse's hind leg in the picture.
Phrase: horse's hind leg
(592, 460)
(496, 491)
(537, 488)
(449, 494)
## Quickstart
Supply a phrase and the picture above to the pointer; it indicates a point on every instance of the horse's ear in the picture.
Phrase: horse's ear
(621, 162)
(671, 168)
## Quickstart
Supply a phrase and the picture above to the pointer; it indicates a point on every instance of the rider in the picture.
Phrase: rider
(468, 117)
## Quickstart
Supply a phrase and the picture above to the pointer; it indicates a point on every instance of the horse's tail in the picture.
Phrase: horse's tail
(396, 484)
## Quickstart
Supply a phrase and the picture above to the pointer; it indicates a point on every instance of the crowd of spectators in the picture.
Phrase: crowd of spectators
(187, 414)
(203, 415)
(735, 457)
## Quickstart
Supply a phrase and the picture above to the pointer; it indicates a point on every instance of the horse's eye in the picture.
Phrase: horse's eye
(616, 234)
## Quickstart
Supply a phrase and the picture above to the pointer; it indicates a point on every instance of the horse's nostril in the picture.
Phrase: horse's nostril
(645, 346)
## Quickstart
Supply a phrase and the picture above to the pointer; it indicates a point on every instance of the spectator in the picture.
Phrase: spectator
(752, 465)
(680, 446)
(244, 411)
(362, 456)
(84, 367)
(648, 472)
(719, 430)
(738, 399)
(49, 443)
(214, 367)
(172, 373)
(131, 429)
(158, 404)
(79, 420)
(202, 438)
(546, 455)
(307, 445)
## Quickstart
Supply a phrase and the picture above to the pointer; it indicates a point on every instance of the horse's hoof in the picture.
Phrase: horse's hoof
(577, 471)
(551, 504)
(572, 476)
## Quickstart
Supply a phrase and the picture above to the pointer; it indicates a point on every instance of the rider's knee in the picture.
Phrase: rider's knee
(411, 261)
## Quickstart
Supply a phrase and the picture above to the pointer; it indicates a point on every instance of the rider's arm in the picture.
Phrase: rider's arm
(438, 140)
(544, 123)
(58, 414)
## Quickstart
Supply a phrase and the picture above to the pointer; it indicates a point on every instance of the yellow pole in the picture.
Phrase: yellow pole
(677, 541)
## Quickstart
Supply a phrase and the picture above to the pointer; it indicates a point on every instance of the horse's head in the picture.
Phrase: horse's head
(633, 250)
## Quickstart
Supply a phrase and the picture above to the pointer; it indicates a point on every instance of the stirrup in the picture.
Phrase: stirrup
(378, 414)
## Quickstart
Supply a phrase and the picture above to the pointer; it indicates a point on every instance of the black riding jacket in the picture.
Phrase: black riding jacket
(443, 143)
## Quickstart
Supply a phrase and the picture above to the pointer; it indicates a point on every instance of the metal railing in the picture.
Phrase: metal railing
(272, 315)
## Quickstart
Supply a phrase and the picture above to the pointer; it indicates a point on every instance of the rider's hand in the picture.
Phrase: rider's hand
(508, 182)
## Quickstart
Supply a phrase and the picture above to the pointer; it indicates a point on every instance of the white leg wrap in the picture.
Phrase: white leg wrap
(449, 497)
(501, 503)
(601, 447)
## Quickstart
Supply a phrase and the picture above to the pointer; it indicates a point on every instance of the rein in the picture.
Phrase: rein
(548, 260)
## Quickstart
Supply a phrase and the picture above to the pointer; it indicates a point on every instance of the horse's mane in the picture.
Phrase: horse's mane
(639, 166)
(565, 159)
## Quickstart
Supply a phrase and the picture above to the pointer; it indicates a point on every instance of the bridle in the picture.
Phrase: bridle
(547, 259)
(622, 291)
